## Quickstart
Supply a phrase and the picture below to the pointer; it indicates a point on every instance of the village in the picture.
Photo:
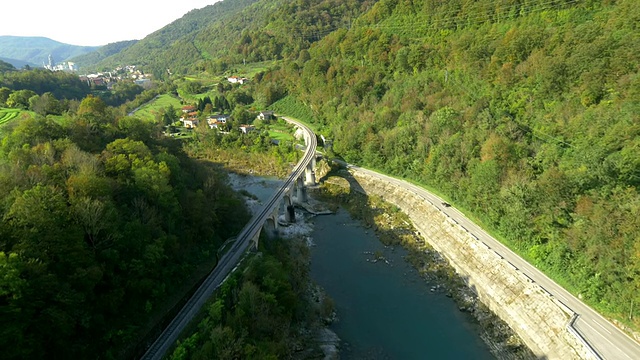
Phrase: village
(190, 117)
(108, 79)
(190, 120)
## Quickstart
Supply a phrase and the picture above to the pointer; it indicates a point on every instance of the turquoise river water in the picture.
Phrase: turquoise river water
(385, 310)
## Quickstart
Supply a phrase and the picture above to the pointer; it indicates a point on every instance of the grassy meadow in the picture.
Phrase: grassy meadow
(150, 110)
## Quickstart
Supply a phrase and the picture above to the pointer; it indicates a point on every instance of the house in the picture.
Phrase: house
(99, 82)
(223, 118)
(188, 109)
(191, 120)
(247, 128)
(213, 122)
(265, 115)
(190, 123)
(237, 80)
(216, 121)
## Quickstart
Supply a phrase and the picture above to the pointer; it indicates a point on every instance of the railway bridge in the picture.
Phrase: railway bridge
(267, 217)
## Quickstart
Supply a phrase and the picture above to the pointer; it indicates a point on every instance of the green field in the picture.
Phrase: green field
(277, 135)
(249, 70)
(205, 78)
(7, 115)
(192, 98)
(149, 110)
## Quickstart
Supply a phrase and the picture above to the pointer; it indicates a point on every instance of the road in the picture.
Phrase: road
(230, 259)
(607, 341)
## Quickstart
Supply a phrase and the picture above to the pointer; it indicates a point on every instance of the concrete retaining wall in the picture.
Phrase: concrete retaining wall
(528, 309)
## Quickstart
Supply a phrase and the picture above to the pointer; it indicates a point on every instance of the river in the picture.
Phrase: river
(385, 309)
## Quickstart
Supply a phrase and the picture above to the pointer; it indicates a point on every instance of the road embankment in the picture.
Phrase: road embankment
(540, 320)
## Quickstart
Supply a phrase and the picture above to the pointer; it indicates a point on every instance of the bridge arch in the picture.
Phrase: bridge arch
(270, 227)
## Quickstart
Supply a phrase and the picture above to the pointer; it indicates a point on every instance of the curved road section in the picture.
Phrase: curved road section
(229, 260)
(604, 339)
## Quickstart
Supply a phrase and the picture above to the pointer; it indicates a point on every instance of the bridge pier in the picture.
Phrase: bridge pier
(310, 175)
(289, 210)
(270, 225)
(301, 191)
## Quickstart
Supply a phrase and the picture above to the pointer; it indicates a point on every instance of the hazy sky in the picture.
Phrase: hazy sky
(82, 22)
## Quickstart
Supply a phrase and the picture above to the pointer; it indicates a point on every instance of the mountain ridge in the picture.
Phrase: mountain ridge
(35, 50)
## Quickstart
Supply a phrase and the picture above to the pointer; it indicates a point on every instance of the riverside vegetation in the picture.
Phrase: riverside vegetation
(268, 309)
(107, 223)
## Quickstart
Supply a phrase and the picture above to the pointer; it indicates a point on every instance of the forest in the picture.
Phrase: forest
(523, 113)
(102, 221)
(48, 92)
(226, 33)
(60, 84)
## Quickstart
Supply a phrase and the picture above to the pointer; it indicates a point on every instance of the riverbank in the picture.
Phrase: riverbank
(394, 228)
(268, 306)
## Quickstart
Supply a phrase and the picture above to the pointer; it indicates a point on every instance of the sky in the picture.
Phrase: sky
(92, 23)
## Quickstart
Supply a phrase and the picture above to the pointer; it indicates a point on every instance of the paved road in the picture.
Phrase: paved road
(607, 340)
(229, 260)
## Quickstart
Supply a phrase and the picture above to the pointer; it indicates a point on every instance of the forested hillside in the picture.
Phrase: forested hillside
(273, 30)
(230, 32)
(526, 113)
(102, 223)
(172, 47)
(87, 61)
(5, 66)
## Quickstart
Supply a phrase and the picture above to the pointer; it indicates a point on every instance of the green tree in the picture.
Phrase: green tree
(170, 115)
(4, 95)
(45, 104)
(241, 115)
(20, 99)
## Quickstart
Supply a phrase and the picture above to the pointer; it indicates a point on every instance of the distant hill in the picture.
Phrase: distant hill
(18, 64)
(230, 32)
(6, 66)
(173, 46)
(90, 59)
(36, 50)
